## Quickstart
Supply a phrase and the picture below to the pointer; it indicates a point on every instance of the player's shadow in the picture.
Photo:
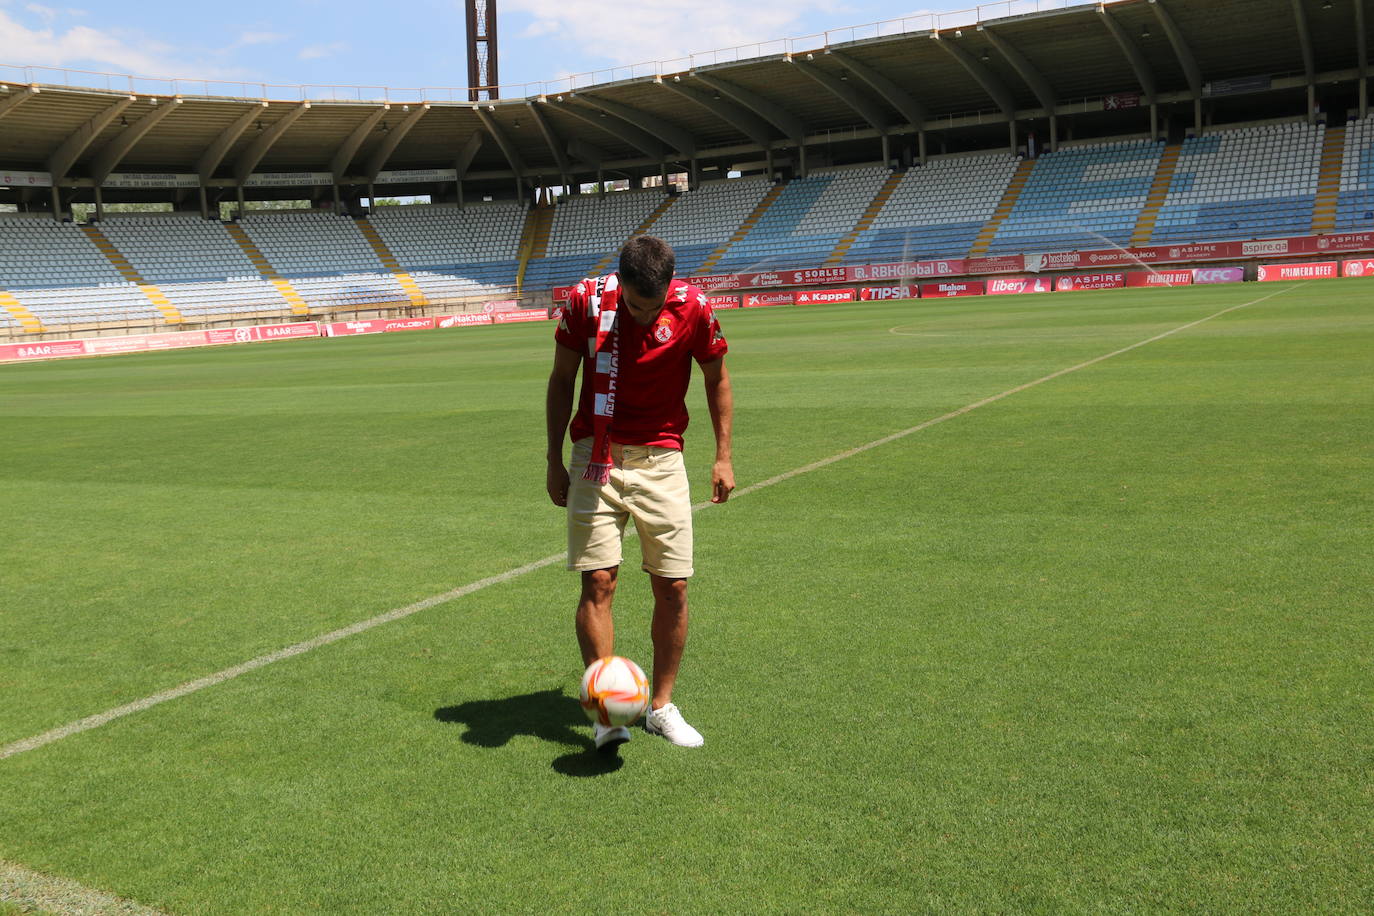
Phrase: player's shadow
(548, 715)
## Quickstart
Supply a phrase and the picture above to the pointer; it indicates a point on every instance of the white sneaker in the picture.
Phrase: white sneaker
(669, 723)
(609, 737)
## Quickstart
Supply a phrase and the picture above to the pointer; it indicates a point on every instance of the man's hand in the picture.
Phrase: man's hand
(722, 481)
(557, 483)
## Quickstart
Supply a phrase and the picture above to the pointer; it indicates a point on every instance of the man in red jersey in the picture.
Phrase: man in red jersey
(634, 335)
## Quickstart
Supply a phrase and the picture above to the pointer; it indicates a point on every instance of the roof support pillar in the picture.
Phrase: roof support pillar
(1185, 59)
(1362, 52)
(551, 138)
(907, 106)
(994, 87)
(790, 125)
(113, 152)
(16, 99)
(1308, 66)
(377, 161)
(1033, 78)
(499, 135)
(249, 158)
(343, 156)
(71, 148)
(746, 122)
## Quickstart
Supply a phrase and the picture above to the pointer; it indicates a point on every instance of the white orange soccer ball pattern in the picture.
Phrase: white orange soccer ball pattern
(614, 691)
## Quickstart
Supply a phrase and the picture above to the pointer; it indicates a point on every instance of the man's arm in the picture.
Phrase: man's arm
(558, 405)
(721, 402)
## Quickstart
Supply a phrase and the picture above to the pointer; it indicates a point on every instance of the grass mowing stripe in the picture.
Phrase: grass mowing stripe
(95, 721)
(885, 440)
(27, 888)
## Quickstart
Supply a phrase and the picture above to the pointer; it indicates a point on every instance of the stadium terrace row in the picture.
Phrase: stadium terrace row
(1255, 182)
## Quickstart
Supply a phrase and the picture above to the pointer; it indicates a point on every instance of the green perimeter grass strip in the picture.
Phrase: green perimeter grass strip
(95, 721)
(33, 892)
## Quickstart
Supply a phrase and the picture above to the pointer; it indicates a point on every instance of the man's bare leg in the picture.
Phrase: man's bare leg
(595, 625)
(669, 631)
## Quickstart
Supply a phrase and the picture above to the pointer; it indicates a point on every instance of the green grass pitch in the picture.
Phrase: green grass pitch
(1104, 645)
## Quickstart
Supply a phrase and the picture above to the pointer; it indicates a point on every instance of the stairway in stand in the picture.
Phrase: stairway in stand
(1329, 184)
(642, 229)
(112, 254)
(406, 281)
(874, 208)
(267, 271)
(534, 240)
(1009, 198)
(1159, 192)
(27, 320)
(749, 222)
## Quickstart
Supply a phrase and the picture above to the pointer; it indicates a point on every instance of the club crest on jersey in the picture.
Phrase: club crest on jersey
(663, 330)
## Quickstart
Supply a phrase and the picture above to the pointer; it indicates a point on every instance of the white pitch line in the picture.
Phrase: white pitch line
(27, 888)
(95, 721)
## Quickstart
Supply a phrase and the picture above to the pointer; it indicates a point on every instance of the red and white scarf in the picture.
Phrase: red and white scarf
(603, 343)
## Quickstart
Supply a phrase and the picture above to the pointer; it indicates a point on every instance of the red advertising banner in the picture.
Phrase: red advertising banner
(1363, 268)
(1007, 286)
(461, 321)
(561, 293)
(501, 305)
(870, 273)
(715, 281)
(723, 302)
(1003, 264)
(1313, 271)
(138, 343)
(762, 300)
(882, 293)
(758, 281)
(815, 275)
(55, 349)
(378, 326)
(1345, 241)
(1091, 281)
(514, 317)
(258, 332)
(952, 288)
(824, 296)
(1137, 278)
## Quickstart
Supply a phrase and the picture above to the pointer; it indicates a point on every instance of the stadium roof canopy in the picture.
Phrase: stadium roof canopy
(975, 80)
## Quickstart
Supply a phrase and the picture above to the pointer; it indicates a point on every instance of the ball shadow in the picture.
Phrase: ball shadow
(548, 715)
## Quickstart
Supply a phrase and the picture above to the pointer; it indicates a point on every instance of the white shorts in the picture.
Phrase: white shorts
(648, 484)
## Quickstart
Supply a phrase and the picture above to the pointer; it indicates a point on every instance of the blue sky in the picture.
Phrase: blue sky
(403, 44)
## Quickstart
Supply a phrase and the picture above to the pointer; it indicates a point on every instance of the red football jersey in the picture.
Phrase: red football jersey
(655, 363)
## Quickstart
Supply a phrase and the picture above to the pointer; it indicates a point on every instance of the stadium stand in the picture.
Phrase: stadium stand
(936, 211)
(453, 252)
(699, 221)
(56, 272)
(1083, 197)
(325, 257)
(195, 262)
(1355, 205)
(805, 223)
(1247, 183)
(587, 228)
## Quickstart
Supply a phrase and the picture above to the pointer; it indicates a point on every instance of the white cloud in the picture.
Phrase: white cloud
(667, 30)
(49, 46)
(315, 52)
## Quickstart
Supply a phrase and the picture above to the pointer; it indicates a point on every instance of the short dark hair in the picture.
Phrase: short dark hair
(647, 264)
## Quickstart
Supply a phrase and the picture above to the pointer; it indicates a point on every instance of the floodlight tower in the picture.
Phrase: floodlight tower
(483, 81)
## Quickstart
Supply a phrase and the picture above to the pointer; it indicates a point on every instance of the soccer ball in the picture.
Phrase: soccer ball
(614, 691)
